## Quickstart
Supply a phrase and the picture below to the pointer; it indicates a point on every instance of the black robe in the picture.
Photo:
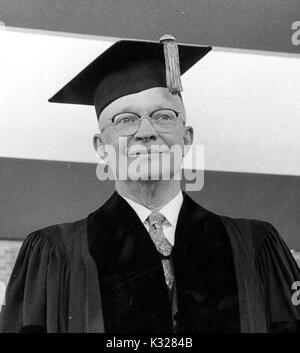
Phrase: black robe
(103, 274)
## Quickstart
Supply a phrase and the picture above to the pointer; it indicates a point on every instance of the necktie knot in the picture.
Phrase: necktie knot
(156, 232)
(156, 220)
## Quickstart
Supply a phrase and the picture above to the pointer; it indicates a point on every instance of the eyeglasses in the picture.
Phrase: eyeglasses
(127, 123)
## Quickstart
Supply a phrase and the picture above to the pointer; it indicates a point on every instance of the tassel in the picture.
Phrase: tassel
(172, 64)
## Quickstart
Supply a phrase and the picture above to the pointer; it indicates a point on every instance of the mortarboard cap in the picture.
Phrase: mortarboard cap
(129, 67)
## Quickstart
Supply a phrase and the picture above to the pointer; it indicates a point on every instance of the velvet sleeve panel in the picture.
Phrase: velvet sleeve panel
(277, 270)
(34, 292)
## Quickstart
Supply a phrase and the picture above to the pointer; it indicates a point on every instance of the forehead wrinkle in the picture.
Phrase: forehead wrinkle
(133, 109)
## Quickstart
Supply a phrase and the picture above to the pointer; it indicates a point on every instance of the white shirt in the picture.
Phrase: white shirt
(170, 211)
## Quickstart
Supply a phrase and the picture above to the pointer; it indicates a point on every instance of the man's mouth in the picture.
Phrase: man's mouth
(137, 150)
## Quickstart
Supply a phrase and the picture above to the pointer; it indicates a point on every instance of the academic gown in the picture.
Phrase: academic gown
(103, 274)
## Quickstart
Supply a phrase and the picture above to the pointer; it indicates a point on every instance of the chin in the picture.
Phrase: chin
(154, 173)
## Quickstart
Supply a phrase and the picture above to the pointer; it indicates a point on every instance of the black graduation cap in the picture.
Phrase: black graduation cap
(129, 67)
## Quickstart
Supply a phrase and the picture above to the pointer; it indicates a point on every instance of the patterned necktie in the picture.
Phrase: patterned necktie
(162, 245)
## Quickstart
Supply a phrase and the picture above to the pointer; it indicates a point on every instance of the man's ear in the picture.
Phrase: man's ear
(188, 139)
(99, 147)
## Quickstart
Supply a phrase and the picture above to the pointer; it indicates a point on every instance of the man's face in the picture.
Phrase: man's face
(147, 151)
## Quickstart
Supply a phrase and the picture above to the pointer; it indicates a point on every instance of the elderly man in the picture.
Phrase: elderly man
(149, 259)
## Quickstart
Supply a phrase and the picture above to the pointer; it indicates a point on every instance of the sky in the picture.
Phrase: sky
(244, 106)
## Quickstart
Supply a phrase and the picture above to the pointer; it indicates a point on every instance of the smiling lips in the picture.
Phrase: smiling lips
(155, 149)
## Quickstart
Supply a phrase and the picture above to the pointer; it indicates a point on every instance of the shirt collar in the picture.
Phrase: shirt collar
(170, 210)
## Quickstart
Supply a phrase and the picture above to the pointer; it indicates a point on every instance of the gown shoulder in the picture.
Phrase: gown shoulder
(33, 294)
(279, 274)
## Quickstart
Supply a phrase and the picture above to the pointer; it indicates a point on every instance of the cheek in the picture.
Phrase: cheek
(111, 138)
(175, 138)
(118, 144)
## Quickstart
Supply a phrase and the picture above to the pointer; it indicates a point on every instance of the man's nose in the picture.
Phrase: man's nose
(146, 131)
